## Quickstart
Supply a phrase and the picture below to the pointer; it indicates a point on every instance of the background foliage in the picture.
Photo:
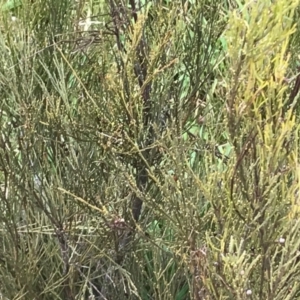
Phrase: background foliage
(149, 149)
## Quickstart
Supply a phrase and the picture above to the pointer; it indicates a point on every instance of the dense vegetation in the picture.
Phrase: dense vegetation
(149, 149)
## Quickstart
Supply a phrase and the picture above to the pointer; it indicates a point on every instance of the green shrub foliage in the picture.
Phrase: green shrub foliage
(149, 149)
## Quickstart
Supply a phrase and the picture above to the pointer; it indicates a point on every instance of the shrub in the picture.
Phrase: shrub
(149, 150)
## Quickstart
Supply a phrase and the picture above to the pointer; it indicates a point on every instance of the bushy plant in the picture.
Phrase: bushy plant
(149, 150)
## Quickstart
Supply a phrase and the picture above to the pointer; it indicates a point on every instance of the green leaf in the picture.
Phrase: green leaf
(11, 4)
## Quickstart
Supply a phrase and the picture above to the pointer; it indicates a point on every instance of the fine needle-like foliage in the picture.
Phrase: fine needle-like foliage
(149, 150)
